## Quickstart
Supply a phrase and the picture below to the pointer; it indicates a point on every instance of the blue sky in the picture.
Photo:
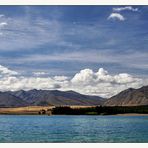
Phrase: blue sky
(62, 40)
(64, 30)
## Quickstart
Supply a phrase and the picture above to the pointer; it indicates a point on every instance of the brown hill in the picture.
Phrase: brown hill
(129, 97)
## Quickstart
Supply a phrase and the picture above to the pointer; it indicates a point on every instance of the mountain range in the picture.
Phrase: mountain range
(129, 97)
(47, 97)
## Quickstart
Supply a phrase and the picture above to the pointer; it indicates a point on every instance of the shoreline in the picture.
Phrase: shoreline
(29, 114)
(32, 110)
(47, 110)
(131, 114)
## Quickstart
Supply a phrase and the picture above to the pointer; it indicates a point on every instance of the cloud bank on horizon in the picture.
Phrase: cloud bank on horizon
(62, 47)
(86, 81)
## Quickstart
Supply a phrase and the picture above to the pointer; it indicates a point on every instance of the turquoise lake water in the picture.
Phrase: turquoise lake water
(69, 129)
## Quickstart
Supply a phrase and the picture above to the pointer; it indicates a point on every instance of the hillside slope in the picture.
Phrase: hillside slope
(8, 100)
(129, 97)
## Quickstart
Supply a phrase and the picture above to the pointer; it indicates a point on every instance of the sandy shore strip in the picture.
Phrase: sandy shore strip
(29, 110)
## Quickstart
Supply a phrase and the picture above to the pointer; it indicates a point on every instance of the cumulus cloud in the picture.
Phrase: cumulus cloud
(86, 81)
(130, 8)
(102, 83)
(116, 16)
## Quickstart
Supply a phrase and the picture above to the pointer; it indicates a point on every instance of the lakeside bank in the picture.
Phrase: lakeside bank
(76, 110)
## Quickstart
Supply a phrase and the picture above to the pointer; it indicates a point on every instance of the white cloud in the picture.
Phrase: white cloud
(2, 24)
(86, 81)
(40, 73)
(87, 76)
(60, 78)
(102, 83)
(125, 8)
(116, 16)
(4, 71)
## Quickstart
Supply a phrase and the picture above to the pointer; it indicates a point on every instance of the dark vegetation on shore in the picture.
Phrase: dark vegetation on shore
(75, 110)
(100, 110)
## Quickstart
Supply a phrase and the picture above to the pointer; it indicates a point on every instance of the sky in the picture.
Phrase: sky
(95, 50)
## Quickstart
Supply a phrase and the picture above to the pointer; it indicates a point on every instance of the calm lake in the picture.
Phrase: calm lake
(21, 128)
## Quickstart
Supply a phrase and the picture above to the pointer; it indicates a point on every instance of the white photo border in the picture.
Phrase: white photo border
(73, 2)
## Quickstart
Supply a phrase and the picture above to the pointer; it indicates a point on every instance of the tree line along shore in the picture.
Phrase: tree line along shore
(75, 110)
